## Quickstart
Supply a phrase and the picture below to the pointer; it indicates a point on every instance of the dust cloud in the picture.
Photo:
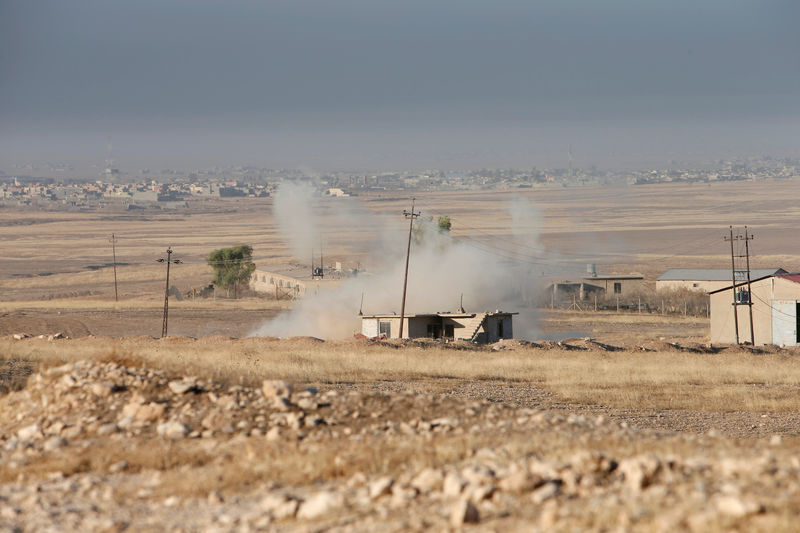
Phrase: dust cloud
(442, 268)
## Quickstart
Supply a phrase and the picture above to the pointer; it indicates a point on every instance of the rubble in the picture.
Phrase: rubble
(133, 448)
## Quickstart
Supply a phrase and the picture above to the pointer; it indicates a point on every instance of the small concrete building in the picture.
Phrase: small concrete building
(601, 285)
(705, 279)
(616, 284)
(289, 282)
(483, 328)
(776, 309)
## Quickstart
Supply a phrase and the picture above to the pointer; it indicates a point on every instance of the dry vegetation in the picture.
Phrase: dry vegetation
(663, 377)
(127, 448)
(642, 427)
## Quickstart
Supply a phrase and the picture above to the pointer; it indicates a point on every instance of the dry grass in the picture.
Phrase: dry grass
(95, 304)
(729, 381)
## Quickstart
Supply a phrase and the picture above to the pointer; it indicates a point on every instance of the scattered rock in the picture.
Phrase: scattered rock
(29, 433)
(453, 484)
(172, 430)
(322, 503)
(639, 472)
(428, 480)
(736, 507)
(279, 506)
(464, 512)
(380, 487)
(545, 492)
(54, 443)
(183, 386)
(277, 393)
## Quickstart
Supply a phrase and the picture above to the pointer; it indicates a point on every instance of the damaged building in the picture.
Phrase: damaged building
(481, 328)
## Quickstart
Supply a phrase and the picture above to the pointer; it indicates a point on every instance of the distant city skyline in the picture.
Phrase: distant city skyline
(372, 85)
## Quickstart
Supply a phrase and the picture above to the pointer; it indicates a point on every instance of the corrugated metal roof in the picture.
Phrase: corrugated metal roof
(791, 277)
(713, 274)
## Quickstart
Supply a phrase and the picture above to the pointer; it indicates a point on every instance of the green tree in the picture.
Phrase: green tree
(232, 267)
(444, 224)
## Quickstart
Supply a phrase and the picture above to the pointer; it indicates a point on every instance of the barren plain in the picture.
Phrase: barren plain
(633, 424)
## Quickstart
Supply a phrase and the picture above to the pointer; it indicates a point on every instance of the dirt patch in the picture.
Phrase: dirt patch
(42, 324)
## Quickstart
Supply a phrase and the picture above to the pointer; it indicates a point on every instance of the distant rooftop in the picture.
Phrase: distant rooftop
(714, 274)
(607, 277)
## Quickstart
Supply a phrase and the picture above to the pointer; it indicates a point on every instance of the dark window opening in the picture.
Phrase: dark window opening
(385, 328)
(743, 296)
(434, 331)
(449, 331)
(617, 287)
(797, 321)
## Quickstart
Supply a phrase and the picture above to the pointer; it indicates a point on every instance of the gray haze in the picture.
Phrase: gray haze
(357, 84)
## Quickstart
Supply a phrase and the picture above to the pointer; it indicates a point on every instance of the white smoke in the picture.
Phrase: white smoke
(294, 211)
(441, 269)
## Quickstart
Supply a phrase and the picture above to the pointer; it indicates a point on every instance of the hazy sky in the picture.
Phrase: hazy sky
(375, 84)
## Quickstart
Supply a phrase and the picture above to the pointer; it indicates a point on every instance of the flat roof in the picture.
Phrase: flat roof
(608, 277)
(713, 274)
(790, 277)
(441, 315)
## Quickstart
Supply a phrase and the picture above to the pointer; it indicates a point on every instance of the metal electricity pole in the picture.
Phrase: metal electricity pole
(410, 215)
(168, 260)
(114, 255)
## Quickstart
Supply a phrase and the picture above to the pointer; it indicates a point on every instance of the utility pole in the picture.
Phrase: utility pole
(410, 215)
(747, 239)
(114, 254)
(741, 297)
(168, 260)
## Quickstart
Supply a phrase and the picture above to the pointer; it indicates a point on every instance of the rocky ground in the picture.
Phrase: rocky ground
(96, 446)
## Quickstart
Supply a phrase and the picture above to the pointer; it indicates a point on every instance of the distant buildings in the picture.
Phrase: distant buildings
(705, 279)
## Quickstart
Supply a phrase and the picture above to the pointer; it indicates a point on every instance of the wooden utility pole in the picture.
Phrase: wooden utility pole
(744, 275)
(168, 260)
(114, 255)
(733, 286)
(410, 215)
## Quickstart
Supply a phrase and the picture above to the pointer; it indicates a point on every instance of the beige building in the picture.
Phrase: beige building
(482, 328)
(291, 281)
(775, 307)
(705, 279)
(616, 284)
(602, 285)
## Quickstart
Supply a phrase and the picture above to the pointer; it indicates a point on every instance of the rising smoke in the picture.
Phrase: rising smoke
(442, 268)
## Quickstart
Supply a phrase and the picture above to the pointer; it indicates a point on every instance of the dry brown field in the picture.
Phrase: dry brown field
(643, 228)
(633, 424)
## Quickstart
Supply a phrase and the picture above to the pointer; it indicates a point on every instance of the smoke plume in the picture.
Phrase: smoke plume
(442, 269)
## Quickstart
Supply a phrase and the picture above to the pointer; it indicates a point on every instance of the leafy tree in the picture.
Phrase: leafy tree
(444, 224)
(232, 267)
